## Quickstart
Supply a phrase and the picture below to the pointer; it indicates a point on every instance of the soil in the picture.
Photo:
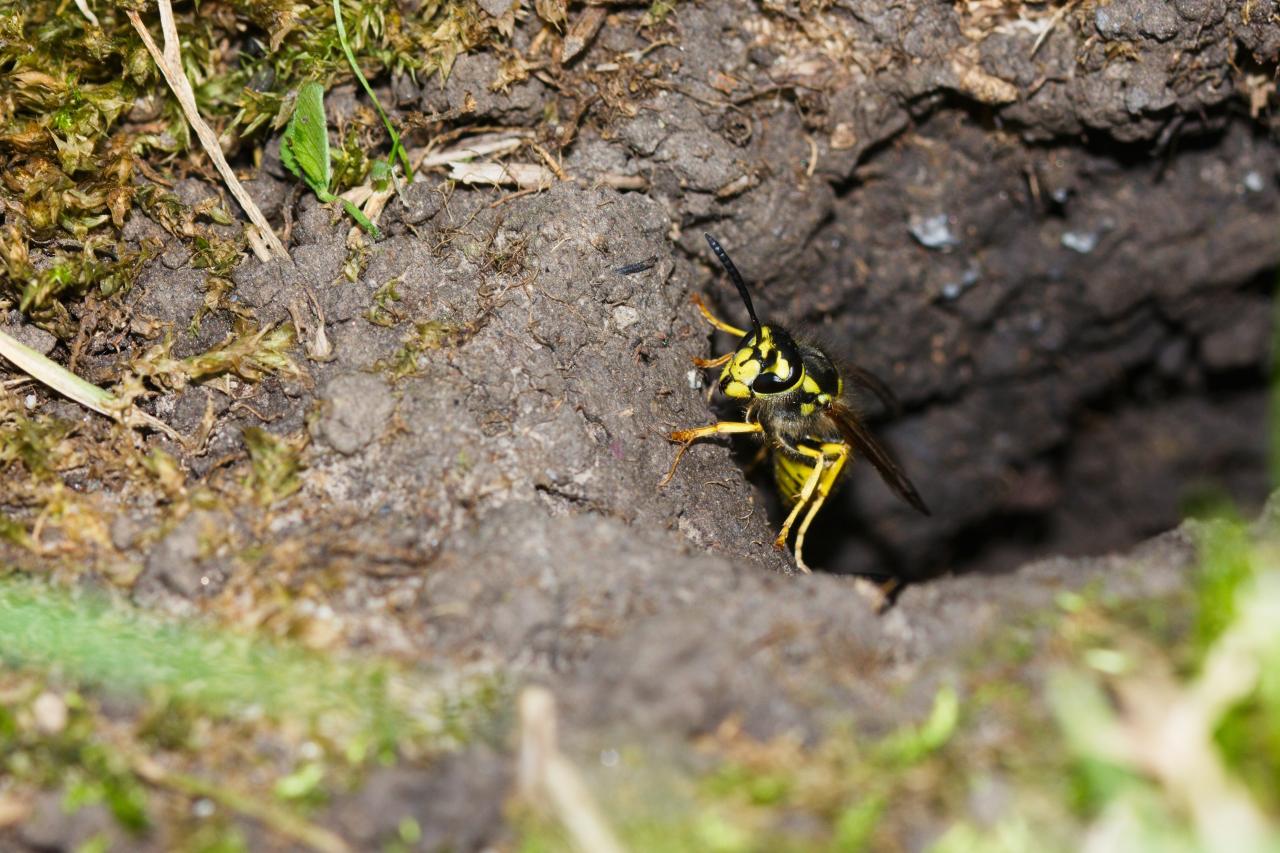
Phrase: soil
(1053, 236)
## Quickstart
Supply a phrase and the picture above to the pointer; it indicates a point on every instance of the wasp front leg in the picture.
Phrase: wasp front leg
(712, 362)
(687, 437)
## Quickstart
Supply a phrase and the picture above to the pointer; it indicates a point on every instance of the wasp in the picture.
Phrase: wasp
(795, 399)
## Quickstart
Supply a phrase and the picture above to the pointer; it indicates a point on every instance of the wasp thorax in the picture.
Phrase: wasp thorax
(767, 362)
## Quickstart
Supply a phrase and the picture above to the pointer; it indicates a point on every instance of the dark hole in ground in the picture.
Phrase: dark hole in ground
(1167, 437)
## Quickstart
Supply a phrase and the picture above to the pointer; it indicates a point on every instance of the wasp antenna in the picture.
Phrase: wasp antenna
(736, 278)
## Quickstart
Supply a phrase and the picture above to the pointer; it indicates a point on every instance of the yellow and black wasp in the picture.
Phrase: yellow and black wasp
(795, 396)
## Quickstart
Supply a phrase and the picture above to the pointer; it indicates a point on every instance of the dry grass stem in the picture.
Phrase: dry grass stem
(66, 383)
(478, 147)
(584, 29)
(548, 781)
(170, 63)
(522, 175)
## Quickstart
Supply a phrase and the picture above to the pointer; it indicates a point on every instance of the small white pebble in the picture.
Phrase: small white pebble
(1080, 241)
(203, 808)
(50, 713)
(933, 232)
(953, 289)
(1253, 181)
(30, 401)
(624, 316)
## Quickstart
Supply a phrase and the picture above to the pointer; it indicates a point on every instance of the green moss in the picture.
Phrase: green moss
(423, 338)
(35, 442)
(71, 758)
(1227, 564)
(658, 11)
(275, 465)
(1249, 738)
(249, 353)
(75, 131)
(14, 532)
(383, 310)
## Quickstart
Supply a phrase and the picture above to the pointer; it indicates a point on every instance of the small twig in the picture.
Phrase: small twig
(582, 31)
(170, 65)
(278, 820)
(1053, 22)
(549, 160)
(515, 195)
(546, 777)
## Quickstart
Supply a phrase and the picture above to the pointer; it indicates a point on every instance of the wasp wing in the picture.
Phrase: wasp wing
(866, 379)
(855, 432)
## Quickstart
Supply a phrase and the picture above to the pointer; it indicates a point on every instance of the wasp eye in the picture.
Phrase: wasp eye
(773, 383)
(780, 365)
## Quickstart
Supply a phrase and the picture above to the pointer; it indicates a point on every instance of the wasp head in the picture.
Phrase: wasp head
(767, 360)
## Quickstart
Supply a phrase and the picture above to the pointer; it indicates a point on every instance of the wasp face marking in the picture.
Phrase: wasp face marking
(765, 363)
(813, 397)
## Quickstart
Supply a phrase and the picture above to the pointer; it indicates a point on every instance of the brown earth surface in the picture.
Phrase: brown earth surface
(1050, 229)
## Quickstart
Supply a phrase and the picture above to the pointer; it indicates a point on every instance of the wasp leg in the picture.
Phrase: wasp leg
(716, 321)
(687, 437)
(806, 494)
(713, 362)
(835, 465)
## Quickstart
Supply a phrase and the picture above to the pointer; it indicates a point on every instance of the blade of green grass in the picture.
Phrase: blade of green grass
(397, 149)
(58, 377)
